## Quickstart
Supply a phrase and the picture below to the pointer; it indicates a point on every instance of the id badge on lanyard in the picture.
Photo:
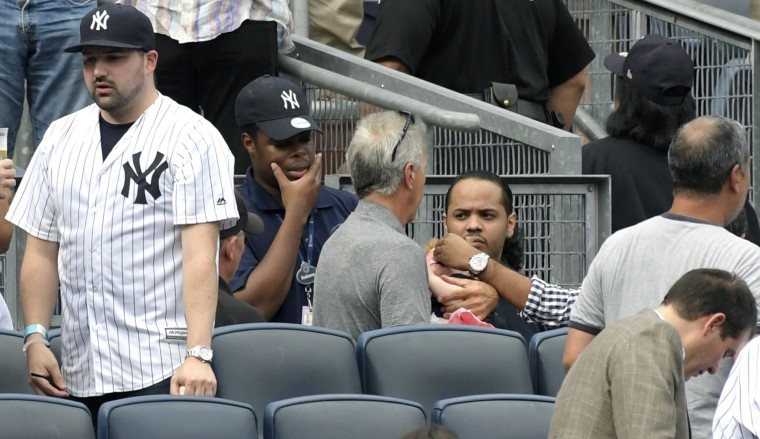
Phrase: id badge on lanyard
(305, 275)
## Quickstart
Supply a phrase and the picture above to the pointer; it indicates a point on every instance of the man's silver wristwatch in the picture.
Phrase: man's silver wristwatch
(478, 263)
(203, 353)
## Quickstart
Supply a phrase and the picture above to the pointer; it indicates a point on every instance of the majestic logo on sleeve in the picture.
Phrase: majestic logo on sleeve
(140, 177)
(99, 20)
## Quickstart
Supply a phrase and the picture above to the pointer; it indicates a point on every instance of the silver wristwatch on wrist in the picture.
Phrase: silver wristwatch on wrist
(203, 353)
(478, 263)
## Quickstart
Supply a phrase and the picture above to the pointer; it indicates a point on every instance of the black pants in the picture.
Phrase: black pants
(93, 403)
(208, 76)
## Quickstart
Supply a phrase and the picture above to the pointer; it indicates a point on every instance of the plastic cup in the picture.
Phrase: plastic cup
(3, 143)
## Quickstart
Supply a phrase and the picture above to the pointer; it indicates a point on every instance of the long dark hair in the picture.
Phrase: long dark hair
(512, 254)
(644, 121)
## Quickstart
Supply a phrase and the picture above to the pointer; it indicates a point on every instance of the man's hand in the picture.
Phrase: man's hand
(44, 374)
(454, 252)
(299, 196)
(194, 377)
(479, 297)
(394, 63)
(7, 178)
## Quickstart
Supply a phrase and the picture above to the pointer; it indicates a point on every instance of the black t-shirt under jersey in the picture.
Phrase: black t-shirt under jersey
(110, 134)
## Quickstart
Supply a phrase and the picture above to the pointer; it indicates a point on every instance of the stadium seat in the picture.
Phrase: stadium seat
(342, 417)
(13, 370)
(426, 363)
(35, 416)
(545, 356)
(175, 417)
(264, 362)
(502, 416)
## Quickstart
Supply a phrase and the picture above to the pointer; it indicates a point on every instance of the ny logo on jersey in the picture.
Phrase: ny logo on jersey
(140, 178)
(100, 20)
(290, 97)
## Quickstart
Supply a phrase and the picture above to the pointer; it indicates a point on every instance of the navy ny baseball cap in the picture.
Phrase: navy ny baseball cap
(277, 107)
(115, 25)
(248, 222)
(658, 68)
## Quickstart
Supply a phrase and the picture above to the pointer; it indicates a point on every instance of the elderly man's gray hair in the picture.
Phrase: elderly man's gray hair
(371, 153)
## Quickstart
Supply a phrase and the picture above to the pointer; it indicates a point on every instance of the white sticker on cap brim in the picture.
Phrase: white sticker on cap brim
(299, 122)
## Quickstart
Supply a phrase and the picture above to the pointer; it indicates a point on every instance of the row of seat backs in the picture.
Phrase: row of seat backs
(314, 417)
(423, 363)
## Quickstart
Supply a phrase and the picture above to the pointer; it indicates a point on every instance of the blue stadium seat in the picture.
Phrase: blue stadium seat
(260, 363)
(342, 417)
(496, 416)
(14, 376)
(35, 416)
(426, 363)
(545, 355)
(175, 417)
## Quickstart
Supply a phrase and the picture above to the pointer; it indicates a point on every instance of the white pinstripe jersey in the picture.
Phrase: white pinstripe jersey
(738, 412)
(120, 253)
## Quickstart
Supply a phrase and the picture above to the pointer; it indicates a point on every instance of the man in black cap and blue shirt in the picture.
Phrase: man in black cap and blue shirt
(282, 186)
(122, 203)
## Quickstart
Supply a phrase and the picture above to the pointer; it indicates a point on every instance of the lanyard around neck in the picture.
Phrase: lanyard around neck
(309, 241)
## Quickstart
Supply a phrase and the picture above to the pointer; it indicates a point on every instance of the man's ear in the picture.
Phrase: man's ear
(738, 174)
(409, 175)
(248, 144)
(735, 176)
(151, 61)
(227, 247)
(511, 223)
(714, 323)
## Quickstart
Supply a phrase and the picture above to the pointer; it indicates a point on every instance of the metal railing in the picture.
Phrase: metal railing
(563, 220)
(342, 88)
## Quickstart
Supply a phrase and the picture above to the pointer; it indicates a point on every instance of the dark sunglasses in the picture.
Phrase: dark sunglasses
(409, 121)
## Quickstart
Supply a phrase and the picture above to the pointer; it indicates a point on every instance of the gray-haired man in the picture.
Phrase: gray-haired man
(371, 275)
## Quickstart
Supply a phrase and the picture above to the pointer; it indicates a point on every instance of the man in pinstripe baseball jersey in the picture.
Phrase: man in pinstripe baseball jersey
(122, 203)
(738, 412)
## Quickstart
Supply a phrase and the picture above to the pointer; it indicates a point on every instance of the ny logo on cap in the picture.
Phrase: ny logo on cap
(99, 20)
(289, 97)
